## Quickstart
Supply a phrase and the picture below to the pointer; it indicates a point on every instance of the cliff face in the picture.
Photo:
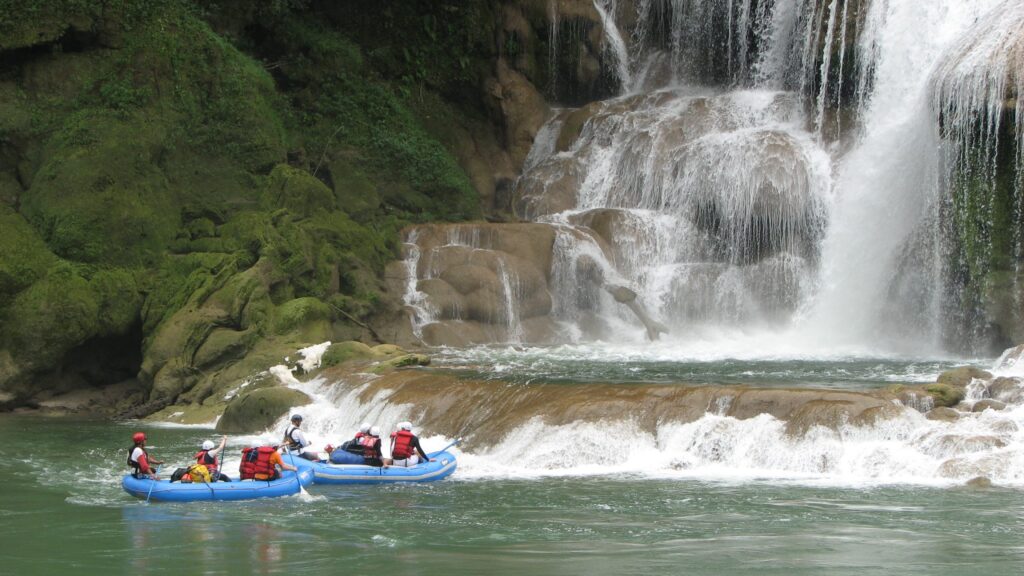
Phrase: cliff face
(189, 191)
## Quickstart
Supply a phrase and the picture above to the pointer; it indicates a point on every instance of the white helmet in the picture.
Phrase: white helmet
(375, 431)
(405, 425)
(365, 427)
(208, 445)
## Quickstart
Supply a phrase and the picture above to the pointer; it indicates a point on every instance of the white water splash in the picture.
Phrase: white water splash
(311, 355)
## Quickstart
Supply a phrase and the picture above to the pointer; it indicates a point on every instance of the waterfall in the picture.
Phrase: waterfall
(889, 187)
(422, 311)
(614, 42)
(716, 187)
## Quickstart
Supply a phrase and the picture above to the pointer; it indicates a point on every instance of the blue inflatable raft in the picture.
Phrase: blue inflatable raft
(166, 491)
(328, 473)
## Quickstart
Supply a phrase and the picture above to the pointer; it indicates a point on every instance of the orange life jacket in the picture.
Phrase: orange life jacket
(256, 464)
(203, 457)
(371, 446)
(401, 444)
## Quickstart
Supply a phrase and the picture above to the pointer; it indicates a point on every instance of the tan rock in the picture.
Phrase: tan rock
(523, 110)
(943, 414)
(987, 404)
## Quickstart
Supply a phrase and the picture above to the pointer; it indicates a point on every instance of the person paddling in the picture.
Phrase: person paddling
(296, 441)
(208, 457)
(139, 460)
(405, 447)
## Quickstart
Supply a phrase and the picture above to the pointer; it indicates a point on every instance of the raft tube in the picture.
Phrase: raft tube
(166, 491)
(326, 473)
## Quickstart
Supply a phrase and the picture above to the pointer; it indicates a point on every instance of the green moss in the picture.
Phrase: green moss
(944, 394)
(294, 314)
(146, 155)
(70, 305)
(24, 257)
(296, 191)
(341, 352)
(254, 411)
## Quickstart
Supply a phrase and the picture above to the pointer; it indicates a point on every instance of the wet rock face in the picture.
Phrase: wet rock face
(480, 283)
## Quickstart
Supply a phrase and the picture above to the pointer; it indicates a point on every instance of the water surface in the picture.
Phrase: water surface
(63, 511)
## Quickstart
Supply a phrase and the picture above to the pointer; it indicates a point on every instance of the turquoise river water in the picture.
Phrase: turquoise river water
(63, 512)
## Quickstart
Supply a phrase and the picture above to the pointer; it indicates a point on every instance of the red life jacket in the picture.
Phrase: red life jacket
(256, 461)
(203, 457)
(371, 446)
(360, 435)
(401, 444)
(134, 464)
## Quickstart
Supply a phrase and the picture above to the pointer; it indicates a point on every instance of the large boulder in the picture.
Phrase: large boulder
(254, 411)
(963, 375)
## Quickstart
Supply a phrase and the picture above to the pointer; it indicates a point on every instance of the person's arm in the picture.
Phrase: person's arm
(144, 466)
(416, 443)
(276, 459)
(223, 442)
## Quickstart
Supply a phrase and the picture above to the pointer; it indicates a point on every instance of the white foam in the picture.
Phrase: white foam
(284, 375)
(312, 355)
(908, 449)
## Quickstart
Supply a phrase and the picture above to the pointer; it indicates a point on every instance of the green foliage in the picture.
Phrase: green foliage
(71, 304)
(296, 191)
(147, 155)
(24, 257)
(295, 313)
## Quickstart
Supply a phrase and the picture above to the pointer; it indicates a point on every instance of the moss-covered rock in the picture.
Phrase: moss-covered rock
(223, 194)
(299, 313)
(297, 191)
(256, 410)
(341, 352)
(945, 394)
(963, 375)
(24, 257)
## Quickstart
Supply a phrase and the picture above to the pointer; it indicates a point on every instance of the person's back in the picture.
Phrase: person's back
(371, 445)
(208, 457)
(405, 447)
(259, 463)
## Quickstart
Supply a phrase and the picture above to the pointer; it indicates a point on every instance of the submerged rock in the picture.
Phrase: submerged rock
(979, 482)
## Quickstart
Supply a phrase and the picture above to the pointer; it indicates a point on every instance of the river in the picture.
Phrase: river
(64, 510)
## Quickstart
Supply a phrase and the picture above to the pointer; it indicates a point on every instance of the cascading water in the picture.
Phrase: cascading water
(717, 188)
(673, 432)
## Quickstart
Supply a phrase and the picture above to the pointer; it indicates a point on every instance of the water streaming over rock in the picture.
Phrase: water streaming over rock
(785, 165)
(783, 434)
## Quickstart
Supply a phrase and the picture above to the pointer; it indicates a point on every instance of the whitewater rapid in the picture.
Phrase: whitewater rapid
(906, 449)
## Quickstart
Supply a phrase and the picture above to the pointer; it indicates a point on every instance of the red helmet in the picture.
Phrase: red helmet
(139, 437)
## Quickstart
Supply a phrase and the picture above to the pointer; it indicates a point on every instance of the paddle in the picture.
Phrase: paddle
(292, 457)
(152, 484)
(455, 442)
